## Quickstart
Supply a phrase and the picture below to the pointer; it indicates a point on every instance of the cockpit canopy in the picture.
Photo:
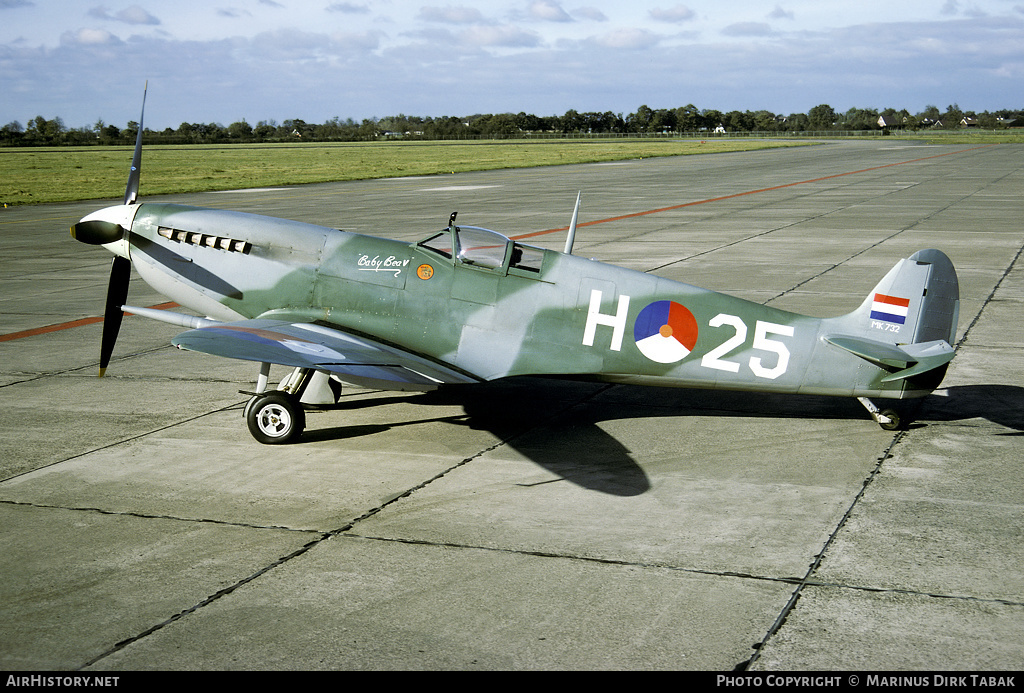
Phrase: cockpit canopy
(471, 245)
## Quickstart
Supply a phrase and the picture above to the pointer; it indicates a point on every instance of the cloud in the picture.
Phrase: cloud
(89, 37)
(748, 29)
(132, 15)
(679, 13)
(364, 41)
(11, 4)
(779, 13)
(548, 11)
(232, 13)
(629, 39)
(451, 15)
(591, 13)
(290, 48)
(506, 36)
(348, 8)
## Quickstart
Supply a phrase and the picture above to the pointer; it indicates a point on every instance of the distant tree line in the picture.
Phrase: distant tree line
(645, 121)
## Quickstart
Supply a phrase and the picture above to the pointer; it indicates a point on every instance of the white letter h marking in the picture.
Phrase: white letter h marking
(595, 317)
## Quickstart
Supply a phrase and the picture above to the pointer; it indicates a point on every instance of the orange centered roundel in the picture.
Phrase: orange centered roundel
(424, 272)
(665, 331)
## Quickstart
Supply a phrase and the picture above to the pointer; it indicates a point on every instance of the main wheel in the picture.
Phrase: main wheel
(275, 418)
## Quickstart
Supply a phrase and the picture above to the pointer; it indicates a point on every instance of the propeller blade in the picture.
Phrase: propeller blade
(97, 232)
(117, 294)
(131, 193)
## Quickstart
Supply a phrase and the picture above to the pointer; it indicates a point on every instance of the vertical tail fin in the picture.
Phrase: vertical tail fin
(907, 324)
(918, 301)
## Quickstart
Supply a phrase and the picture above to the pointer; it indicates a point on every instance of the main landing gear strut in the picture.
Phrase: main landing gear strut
(277, 417)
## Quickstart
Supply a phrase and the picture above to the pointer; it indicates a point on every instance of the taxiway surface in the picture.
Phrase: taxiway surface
(533, 524)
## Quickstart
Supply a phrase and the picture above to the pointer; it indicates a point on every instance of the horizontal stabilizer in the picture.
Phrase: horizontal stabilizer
(926, 356)
(876, 352)
(910, 360)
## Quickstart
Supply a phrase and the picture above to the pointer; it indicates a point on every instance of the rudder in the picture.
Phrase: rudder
(940, 305)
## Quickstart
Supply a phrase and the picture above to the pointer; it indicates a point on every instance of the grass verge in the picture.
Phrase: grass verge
(63, 174)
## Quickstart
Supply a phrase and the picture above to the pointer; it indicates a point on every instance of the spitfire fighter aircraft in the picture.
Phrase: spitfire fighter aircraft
(467, 305)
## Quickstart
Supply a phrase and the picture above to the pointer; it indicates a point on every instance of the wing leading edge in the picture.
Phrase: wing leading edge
(319, 347)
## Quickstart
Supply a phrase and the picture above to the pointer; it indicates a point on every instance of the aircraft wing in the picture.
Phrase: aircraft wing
(325, 348)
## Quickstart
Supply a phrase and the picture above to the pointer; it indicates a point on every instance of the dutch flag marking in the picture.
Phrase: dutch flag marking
(890, 308)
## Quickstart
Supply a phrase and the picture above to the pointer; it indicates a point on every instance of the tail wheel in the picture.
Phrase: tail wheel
(894, 420)
(275, 418)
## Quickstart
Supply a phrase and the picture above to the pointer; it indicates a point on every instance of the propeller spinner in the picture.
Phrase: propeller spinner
(109, 228)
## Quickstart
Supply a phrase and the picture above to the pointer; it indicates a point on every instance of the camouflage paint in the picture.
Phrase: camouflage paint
(481, 312)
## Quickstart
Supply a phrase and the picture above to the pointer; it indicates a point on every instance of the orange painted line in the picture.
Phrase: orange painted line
(742, 194)
(68, 325)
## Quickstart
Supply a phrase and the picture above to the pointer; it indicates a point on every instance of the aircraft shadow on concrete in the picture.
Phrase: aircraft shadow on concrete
(556, 423)
(1001, 404)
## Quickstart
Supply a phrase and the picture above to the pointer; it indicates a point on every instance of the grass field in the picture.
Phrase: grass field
(61, 174)
(1014, 136)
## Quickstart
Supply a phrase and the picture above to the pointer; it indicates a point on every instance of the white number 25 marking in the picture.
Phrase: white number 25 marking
(715, 358)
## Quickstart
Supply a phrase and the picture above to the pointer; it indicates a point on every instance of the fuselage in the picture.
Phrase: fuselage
(487, 305)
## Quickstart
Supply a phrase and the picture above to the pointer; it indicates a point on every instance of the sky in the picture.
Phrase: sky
(272, 60)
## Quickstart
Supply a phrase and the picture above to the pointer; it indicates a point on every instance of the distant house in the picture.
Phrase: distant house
(889, 122)
(965, 122)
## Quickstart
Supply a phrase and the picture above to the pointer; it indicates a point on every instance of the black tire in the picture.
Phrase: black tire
(275, 418)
